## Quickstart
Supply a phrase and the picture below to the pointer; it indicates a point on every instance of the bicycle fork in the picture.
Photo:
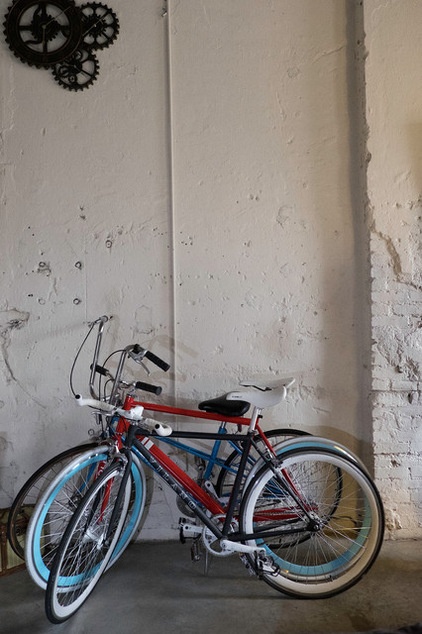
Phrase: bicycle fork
(101, 503)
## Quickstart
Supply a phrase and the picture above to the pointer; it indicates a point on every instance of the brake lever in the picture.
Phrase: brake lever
(137, 354)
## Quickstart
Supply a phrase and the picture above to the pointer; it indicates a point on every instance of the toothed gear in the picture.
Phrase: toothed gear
(78, 71)
(43, 33)
(100, 25)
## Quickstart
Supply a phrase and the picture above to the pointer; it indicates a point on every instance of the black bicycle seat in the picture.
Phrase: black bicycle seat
(221, 405)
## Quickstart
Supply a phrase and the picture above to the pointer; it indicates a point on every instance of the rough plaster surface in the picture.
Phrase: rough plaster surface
(205, 192)
(394, 98)
(264, 227)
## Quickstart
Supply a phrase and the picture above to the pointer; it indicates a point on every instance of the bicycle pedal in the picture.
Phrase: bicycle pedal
(266, 566)
(188, 529)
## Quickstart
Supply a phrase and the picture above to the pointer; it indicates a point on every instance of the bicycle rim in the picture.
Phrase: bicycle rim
(228, 471)
(60, 501)
(87, 545)
(135, 509)
(326, 546)
(25, 501)
(56, 508)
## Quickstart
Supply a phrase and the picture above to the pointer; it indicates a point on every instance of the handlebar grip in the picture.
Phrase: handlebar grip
(155, 389)
(92, 402)
(158, 362)
(99, 369)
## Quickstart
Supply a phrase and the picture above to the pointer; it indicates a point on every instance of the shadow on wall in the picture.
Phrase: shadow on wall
(356, 86)
(341, 232)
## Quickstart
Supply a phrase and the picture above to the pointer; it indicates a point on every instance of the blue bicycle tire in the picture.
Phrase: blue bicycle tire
(88, 543)
(343, 534)
(56, 507)
(31, 491)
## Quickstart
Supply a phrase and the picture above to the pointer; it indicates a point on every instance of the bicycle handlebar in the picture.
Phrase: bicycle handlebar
(133, 414)
(147, 387)
(158, 362)
(137, 353)
(138, 385)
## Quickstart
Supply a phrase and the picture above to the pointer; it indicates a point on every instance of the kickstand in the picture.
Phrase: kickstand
(198, 552)
(195, 549)
(207, 562)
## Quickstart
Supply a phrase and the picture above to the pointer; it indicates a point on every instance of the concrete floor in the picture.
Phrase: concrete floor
(155, 589)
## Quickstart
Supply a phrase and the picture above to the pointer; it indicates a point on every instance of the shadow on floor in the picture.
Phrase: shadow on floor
(155, 588)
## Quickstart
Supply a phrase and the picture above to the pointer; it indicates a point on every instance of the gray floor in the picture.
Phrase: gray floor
(155, 588)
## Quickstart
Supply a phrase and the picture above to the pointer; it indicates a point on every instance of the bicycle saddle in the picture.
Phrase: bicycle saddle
(261, 393)
(221, 405)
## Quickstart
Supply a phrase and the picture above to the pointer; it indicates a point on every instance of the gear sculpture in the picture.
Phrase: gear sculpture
(62, 36)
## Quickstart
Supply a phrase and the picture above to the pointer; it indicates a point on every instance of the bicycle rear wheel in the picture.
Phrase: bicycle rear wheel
(28, 496)
(229, 470)
(319, 538)
(87, 544)
(60, 500)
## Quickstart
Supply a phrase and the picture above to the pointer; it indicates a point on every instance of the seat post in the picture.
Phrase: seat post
(254, 418)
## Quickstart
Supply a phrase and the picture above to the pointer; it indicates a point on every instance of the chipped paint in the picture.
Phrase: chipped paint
(10, 320)
(395, 210)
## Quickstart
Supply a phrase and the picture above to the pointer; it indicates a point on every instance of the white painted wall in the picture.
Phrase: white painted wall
(219, 151)
(266, 275)
(85, 230)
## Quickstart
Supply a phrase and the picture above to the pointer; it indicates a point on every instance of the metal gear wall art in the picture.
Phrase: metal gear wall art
(61, 36)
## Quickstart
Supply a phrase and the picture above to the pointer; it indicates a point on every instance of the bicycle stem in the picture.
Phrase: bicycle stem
(118, 375)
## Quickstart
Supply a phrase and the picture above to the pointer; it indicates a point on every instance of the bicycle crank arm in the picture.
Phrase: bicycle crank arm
(236, 547)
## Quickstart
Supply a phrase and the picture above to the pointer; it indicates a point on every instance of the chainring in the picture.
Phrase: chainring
(212, 543)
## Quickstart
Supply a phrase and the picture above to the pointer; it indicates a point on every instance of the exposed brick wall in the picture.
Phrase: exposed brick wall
(393, 107)
(397, 402)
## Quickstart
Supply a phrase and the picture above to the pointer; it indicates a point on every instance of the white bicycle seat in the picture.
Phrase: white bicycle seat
(262, 392)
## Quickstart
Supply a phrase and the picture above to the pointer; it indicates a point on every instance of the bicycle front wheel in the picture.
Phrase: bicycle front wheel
(87, 544)
(28, 496)
(319, 538)
(60, 500)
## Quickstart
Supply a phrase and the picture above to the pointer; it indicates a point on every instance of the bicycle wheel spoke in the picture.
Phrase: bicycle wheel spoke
(29, 495)
(330, 522)
(87, 544)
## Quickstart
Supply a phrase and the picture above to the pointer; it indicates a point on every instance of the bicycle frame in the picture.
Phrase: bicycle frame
(197, 498)
(222, 434)
(184, 486)
(163, 459)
